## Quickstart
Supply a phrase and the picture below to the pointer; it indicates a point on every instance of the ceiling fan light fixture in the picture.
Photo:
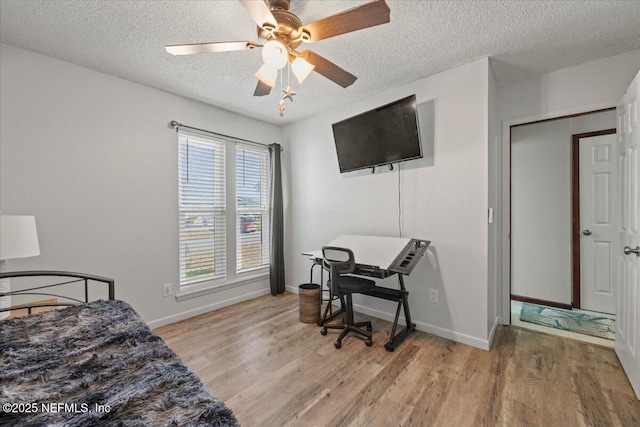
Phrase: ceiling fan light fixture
(275, 54)
(267, 75)
(301, 69)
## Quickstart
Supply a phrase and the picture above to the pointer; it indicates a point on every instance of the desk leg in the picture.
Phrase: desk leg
(329, 314)
(319, 264)
(395, 322)
(396, 340)
(324, 318)
(331, 298)
(321, 279)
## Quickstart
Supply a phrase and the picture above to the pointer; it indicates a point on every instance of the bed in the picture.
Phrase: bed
(95, 363)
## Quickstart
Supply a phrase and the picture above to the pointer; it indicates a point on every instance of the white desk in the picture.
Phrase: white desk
(380, 257)
(375, 251)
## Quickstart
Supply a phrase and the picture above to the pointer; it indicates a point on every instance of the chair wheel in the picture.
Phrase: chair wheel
(337, 343)
(368, 342)
(323, 331)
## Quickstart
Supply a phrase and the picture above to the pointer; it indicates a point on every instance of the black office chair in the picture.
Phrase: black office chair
(340, 262)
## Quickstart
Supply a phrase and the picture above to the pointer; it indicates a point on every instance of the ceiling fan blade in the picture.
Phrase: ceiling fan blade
(260, 13)
(328, 69)
(262, 89)
(358, 18)
(190, 49)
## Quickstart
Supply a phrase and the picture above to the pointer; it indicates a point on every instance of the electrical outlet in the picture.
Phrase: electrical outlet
(167, 290)
(433, 295)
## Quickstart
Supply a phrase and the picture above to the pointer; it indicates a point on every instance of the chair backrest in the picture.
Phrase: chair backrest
(338, 261)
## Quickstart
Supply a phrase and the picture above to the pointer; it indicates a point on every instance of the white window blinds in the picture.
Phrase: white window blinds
(202, 215)
(252, 208)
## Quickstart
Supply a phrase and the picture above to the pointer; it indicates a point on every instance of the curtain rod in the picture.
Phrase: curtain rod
(176, 125)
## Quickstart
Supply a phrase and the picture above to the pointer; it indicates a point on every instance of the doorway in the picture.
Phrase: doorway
(546, 231)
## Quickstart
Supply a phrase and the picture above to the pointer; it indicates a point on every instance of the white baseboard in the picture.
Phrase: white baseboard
(292, 289)
(492, 332)
(205, 309)
(431, 329)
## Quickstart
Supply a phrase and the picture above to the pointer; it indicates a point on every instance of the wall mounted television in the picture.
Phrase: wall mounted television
(382, 136)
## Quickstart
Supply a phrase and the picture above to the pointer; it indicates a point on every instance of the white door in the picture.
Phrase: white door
(628, 318)
(598, 218)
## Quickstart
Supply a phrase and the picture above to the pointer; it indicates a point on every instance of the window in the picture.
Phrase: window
(252, 208)
(213, 173)
(202, 197)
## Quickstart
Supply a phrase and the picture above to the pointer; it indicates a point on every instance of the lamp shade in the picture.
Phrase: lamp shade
(267, 75)
(301, 69)
(18, 237)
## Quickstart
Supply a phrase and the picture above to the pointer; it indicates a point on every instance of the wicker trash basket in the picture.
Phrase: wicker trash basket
(309, 302)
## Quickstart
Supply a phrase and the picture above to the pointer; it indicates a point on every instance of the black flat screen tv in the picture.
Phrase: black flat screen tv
(384, 135)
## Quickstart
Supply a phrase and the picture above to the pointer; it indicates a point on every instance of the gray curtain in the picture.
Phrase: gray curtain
(277, 224)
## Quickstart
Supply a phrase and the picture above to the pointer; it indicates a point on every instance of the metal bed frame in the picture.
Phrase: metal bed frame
(77, 278)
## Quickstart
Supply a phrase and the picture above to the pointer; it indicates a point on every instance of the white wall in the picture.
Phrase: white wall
(92, 158)
(445, 202)
(541, 204)
(587, 87)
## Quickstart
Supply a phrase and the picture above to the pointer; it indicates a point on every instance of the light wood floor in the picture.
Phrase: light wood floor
(272, 370)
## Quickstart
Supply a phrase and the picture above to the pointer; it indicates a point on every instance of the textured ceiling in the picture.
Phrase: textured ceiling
(126, 39)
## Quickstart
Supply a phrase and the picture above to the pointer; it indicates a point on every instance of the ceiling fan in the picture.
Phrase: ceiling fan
(280, 32)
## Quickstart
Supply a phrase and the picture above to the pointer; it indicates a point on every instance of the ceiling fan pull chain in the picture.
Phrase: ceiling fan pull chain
(281, 102)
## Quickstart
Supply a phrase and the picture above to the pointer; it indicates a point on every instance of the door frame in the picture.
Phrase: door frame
(505, 243)
(575, 211)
